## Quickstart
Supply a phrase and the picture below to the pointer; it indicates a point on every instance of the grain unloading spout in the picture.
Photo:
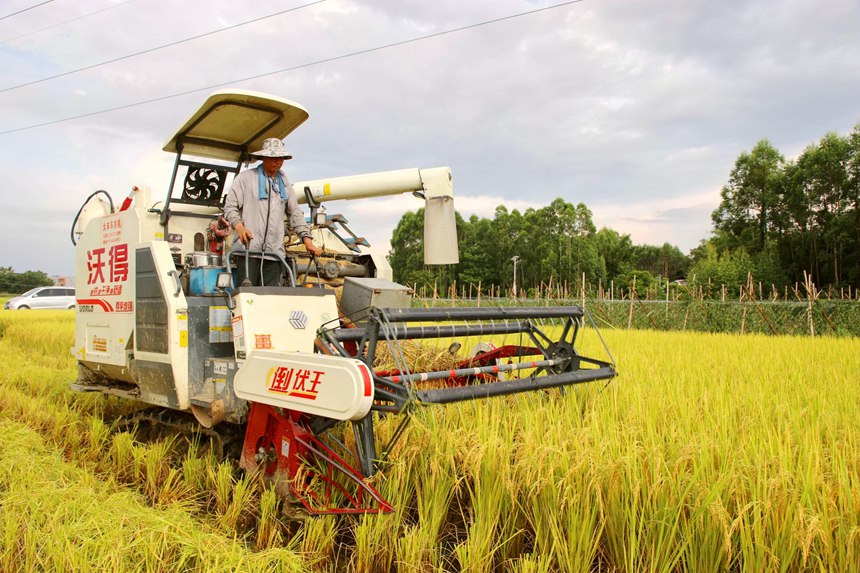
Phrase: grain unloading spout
(434, 185)
(440, 226)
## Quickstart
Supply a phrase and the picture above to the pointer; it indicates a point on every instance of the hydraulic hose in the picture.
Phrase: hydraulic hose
(75, 222)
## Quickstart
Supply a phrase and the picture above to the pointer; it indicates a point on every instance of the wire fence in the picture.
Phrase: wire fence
(801, 310)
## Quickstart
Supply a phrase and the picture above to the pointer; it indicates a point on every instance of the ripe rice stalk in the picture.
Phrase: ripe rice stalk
(270, 528)
(711, 547)
(437, 485)
(121, 456)
(220, 482)
(98, 439)
(154, 468)
(413, 553)
(194, 466)
(376, 535)
(531, 563)
(243, 503)
(374, 550)
(316, 540)
(491, 500)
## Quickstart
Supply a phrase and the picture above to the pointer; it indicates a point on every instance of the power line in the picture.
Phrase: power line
(293, 68)
(81, 17)
(24, 10)
(176, 43)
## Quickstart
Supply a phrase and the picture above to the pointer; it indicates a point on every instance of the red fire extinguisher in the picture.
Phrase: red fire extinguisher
(216, 233)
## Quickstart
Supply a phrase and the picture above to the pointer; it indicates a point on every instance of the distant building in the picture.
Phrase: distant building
(63, 281)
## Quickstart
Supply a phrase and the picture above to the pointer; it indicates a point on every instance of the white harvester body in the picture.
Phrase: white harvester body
(144, 329)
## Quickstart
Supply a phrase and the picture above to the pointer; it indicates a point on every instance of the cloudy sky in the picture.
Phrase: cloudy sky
(636, 108)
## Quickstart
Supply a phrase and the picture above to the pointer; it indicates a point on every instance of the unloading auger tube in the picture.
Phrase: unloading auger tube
(539, 363)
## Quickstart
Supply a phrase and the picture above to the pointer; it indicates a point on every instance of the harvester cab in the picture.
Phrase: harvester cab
(160, 320)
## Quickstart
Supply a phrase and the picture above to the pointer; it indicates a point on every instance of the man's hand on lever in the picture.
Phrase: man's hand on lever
(311, 247)
(244, 234)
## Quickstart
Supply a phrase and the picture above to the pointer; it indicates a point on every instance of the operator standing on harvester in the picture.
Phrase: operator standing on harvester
(255, 208)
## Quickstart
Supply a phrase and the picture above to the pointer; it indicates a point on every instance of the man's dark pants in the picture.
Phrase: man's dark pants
(272, 272)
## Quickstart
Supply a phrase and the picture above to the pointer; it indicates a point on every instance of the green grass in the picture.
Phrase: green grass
(710, 452)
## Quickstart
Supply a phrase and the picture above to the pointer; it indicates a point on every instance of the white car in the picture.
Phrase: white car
(43, 297)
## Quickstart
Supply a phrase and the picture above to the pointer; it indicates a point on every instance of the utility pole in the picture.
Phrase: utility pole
(515, 258)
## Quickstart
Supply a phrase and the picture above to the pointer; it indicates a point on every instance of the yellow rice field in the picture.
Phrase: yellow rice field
(707, 453)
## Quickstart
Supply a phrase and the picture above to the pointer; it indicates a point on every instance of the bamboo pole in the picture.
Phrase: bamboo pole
(810, 294)
(763, 315)
(630, 314)
(667, 302)
(748, 294)
(583, 290)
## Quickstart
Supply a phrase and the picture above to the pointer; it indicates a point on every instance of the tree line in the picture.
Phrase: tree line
(779, 222)
(17, 283)
(783, 220)
(557, 243)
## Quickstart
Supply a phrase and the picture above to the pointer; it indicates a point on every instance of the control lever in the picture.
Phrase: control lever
(316, 262)
(246, 282)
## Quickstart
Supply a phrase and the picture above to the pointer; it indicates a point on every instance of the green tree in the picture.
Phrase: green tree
(825, 168)
(853, 196)
(17, 283)
(474, 240)
(795, 217)
(511, 239)
(644, 281)
(795, 235)
(750, 195)
(407, 249)
(666, 261)
(560, 244)
(616, 252)
(715, 270)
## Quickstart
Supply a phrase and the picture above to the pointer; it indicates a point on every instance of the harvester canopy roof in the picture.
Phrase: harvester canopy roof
(233, 123)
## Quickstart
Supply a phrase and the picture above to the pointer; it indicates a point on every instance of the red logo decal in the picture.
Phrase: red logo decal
(298, 382)
(107, 266)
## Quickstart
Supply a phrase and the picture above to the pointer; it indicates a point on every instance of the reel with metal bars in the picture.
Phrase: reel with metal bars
(535, 350)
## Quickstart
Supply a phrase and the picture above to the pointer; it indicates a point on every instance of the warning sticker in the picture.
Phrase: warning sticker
(182, 322)
(99, 344)
(219, 324)
(238, 328)
(262, 341)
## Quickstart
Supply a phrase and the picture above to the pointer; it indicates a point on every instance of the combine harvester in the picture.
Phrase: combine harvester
(280, 370)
